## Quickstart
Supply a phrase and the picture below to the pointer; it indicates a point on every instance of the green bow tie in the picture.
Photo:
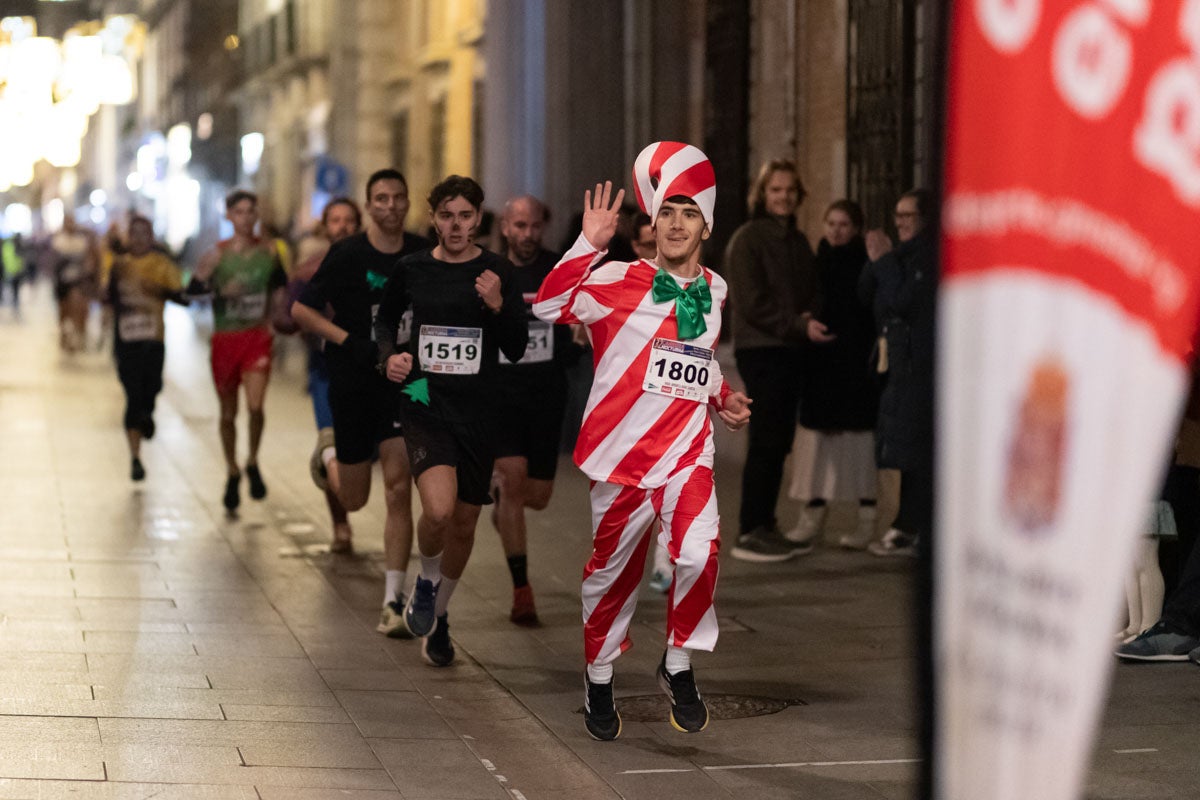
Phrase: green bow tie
(691, 304)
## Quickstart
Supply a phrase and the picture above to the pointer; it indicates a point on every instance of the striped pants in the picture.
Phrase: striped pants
(622, 520)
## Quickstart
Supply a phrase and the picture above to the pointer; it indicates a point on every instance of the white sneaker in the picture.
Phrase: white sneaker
(863, 533)
(894, 543)
(808, 527)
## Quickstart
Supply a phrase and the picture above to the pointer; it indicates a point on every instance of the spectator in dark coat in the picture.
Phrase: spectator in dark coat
(902, 284)
(833, 456)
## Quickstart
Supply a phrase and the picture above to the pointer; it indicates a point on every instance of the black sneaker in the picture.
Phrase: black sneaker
(437, 648)
(146, 426)
(232, 498)
(600, 711)
(258, 489)
(136, 471)
(763, 546)
(688, 712)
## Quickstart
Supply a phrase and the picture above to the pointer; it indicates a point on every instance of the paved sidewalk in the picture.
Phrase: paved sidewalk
(151, 647)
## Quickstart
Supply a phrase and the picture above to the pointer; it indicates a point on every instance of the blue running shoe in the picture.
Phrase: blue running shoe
(418, 614)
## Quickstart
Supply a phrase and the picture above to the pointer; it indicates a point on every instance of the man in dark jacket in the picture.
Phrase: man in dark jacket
(773, 288)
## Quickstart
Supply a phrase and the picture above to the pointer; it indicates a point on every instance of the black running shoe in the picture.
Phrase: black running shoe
(232, 497)
(146, 426)
(688, 712)
(136, 471)
(600, 711)
(418, 614)
(258, 489)
(437, 647)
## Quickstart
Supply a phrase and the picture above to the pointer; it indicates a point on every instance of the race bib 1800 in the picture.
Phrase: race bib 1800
(450, 351)
(679, 370)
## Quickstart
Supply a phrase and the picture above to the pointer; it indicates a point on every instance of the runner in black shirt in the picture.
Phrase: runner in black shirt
(466, 309)
(350, 281)
(532, 399)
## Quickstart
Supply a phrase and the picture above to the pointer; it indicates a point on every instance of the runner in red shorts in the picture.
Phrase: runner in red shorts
(241, 273)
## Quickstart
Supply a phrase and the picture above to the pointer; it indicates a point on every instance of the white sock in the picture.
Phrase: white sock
(327, 455)
(445, 589)
(393, 585)
(678, 660)
(600, 673)
(431, 567)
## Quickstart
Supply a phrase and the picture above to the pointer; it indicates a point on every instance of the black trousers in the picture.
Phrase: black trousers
(772, 376)
(139, 367)
(915, 515)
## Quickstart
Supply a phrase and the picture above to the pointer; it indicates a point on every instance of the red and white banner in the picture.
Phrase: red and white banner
(1071, 238)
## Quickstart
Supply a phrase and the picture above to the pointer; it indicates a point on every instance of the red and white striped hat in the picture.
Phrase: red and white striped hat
(666, 169)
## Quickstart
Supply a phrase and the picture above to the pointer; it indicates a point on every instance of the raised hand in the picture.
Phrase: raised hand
(600, 216)
(878, 244)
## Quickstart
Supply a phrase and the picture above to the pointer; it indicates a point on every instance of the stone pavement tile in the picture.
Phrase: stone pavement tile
(271, 645)
(43, 693)
(285, 713)
(97, 626)
(42, 661)
(367, 679)
(246, 697)
(532, 758)
(20, 607)
(111, 790)
(50, 759)
(345, 754)
(828, 783)
(445, 770)
(39, 677)
(1175, 784)
(116, 642)
(359, 655)
(113, 684)
(454, 707)
(50, 642)
(293, 793)
(394, 715)
(108, 608)
(894, 790)
(34, 571)
(119, 757)
(317, 778)
(885, 745)
(49, 729)
(678, 786)
(236, 628)
(52, 590)
(223, 732)
(126, 709)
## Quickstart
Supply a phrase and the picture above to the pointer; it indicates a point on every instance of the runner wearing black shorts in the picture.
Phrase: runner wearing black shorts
(532, 399)
(466, 309)
(351, 281)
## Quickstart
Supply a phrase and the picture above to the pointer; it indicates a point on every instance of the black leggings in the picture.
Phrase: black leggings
(139, 366)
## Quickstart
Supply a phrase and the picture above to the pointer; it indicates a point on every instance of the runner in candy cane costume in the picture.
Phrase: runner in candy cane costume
(646, 440)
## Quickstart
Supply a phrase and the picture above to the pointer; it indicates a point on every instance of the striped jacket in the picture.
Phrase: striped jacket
(631, 436)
